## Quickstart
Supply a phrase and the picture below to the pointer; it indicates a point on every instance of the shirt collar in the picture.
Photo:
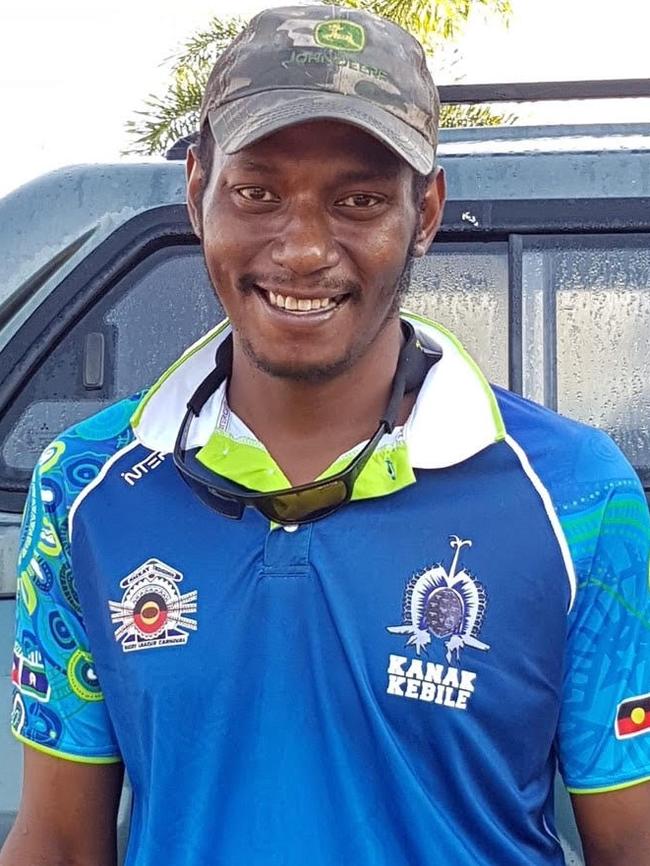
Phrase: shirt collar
(455, 415)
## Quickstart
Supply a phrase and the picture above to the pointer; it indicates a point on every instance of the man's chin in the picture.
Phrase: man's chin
(300, 371)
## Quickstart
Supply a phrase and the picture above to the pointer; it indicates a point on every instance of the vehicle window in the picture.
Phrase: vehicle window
(160, 307)
(143, 324)
(464, 286)
(586, 304)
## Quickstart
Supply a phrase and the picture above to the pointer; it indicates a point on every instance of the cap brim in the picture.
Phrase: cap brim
(237, 124)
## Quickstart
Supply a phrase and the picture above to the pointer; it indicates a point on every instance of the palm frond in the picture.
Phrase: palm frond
(163, 120)
(430, 20)
(473, 115)
(203, 48)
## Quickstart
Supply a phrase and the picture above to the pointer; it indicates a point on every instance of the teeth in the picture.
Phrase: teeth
(301, 305)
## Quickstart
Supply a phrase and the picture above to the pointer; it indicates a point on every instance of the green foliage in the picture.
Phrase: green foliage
(472, 115)
(430, 20)
(164, 119)
(201, 50)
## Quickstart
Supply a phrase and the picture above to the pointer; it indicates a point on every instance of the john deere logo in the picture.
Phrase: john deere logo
(340, 35)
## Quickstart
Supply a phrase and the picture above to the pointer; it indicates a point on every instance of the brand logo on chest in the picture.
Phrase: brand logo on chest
(153, 612)
(448, 606)
(135, 473)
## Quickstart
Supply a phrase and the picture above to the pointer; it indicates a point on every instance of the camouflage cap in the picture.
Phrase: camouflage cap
(298, 63)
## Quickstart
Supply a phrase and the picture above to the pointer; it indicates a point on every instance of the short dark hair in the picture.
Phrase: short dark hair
(206, 159)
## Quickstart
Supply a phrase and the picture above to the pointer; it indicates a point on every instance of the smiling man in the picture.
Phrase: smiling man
(361, 604)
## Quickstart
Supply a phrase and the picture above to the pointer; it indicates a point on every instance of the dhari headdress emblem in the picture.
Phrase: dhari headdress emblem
(447, 605)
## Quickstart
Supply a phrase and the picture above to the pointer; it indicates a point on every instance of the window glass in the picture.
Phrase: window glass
(586, 334)
(168, 305)
(464, 287)
(147, 319)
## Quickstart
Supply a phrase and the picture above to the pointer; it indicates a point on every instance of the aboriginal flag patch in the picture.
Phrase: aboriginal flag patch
(633, 717)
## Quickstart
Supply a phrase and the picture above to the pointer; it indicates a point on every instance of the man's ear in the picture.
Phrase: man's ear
(430, 215)
(195, 186)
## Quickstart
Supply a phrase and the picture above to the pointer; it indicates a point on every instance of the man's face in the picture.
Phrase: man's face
(306, 236)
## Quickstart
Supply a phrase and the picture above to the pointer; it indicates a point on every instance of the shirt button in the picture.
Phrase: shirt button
(290, 527)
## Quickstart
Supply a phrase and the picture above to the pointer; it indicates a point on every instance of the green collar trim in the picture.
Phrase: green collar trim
(251, 465)
(242, 462)
(388, 470)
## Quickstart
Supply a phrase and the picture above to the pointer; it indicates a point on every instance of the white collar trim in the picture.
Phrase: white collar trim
(455, 415)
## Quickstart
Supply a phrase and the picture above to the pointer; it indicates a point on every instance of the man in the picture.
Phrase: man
(379, 667)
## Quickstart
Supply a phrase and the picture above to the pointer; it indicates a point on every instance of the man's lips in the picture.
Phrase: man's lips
(300, 304)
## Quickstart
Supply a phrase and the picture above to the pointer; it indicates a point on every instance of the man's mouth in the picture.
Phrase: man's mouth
(301, 306)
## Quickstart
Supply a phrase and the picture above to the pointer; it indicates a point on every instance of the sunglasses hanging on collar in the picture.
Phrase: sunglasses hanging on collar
(306, 502)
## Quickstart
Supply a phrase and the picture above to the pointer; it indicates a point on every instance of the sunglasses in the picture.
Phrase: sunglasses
(306, 502)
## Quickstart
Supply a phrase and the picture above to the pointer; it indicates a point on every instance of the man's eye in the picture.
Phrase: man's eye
(360, 200)
(256, 193)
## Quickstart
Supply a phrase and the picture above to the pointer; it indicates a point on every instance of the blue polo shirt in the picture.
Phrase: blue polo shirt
(391, 686)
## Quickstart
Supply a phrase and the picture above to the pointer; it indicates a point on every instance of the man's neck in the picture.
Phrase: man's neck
(305, 426)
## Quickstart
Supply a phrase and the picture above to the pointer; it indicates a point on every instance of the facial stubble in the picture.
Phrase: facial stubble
(322, 373)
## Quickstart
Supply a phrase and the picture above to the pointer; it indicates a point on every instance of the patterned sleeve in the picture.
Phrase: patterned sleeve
(58, 706)
(604, 729)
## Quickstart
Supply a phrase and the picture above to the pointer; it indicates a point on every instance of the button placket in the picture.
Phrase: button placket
(286, 553)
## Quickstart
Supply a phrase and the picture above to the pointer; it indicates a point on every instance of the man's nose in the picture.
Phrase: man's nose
(305, 244)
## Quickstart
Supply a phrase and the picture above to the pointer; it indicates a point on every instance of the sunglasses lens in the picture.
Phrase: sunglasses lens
(309, 504)
(214, 500)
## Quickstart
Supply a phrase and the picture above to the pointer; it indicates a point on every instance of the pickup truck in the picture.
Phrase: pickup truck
(542, 267)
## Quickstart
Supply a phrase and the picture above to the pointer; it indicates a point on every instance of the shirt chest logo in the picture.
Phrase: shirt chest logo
(135, 473)
(448, 606)
(153, 612)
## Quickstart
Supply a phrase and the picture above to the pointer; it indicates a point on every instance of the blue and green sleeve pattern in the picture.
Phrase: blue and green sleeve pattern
(603, 739)
(604, 731)
(57, 704)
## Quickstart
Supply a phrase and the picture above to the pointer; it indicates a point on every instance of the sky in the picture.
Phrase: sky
(72, 72)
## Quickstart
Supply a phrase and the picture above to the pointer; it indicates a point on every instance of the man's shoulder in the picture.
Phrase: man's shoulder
(75, 458)
(107, 430)
(570, 457)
